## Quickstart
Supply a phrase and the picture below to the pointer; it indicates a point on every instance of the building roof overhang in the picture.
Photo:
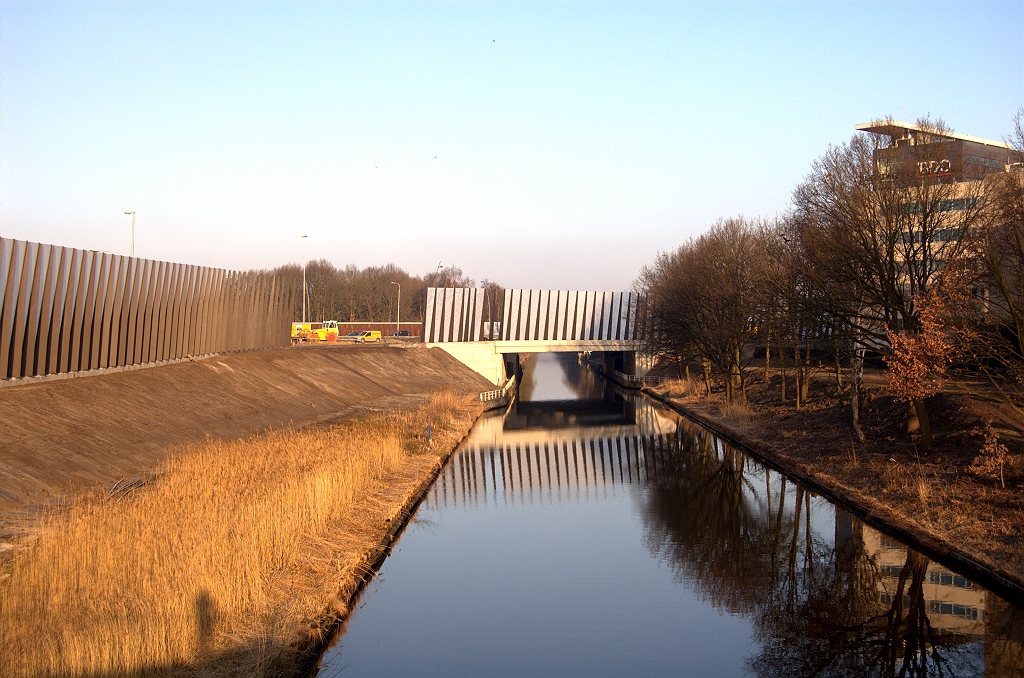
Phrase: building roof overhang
(901, 130)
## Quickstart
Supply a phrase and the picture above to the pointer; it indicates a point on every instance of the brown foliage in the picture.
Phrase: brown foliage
(920, 359)
(993, 457)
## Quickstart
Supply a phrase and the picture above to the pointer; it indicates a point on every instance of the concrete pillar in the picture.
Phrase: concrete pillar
(619, 361)
(629, 363)
(480, 356)
(512, 365)
(610, 364)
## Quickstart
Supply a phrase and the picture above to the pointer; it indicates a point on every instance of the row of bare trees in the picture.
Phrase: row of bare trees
(873, 256)
(353, 294)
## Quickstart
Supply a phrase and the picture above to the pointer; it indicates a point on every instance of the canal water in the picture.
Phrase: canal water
(591, 532)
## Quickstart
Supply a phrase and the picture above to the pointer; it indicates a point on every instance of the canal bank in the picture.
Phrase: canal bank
(311, 646)
(235, 560)
(233, 555)
(590, 531)
(914, 498)
(60, 438)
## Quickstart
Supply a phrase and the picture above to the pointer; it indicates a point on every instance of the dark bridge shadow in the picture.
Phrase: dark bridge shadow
(561, 414)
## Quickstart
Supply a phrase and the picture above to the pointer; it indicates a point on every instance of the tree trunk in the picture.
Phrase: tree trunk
(706, 364)
(913, 423)
(767, 360)
(839, 373)
(807, 372)
(736, 375)
(799, 368)
(782, 371)
(856, 372)
(926, 425)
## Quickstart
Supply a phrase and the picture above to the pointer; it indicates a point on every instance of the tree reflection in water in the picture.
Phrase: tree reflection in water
(822, 605)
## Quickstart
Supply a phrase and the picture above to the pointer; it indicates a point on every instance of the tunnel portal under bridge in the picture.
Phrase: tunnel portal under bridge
(487, 329)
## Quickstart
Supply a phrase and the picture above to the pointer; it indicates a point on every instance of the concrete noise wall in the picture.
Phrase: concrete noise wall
(69, 310)
(458, 314)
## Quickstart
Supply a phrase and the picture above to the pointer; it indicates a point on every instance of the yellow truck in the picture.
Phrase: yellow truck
(369, 336)
(312, 332)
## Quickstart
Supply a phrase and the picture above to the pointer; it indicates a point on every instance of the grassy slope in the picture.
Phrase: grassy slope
(228, 561)
(59, 437)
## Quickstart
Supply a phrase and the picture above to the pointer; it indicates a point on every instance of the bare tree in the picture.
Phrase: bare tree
(790, 308)
(703, 297)
(878, 218)
(353, 294)
(982, 304)
(450, 276)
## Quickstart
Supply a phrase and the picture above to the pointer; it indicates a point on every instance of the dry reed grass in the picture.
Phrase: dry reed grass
(681, 388)
(222, 563)
(736, 412)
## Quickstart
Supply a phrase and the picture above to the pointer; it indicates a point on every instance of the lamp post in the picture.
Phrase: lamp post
(398, 325)
(304, 257)
(133, 232)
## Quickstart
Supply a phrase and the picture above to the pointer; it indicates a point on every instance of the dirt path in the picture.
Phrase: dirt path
(58, 437)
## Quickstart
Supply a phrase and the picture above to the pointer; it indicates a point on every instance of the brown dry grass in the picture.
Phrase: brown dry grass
(736, 412)
(221, 565)
(680, 388)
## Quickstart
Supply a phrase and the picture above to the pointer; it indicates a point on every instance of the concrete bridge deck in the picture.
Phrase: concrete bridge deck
(488, 329)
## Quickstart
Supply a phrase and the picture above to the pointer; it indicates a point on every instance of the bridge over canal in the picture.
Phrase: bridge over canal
(487, 330)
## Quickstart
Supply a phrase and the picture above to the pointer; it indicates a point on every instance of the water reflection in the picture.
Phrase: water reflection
(819, 593)
(570, 414)
(850, 602)
(558, 376)
(828, 596)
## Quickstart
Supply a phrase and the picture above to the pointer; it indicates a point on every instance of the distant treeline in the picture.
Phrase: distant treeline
(352, 294)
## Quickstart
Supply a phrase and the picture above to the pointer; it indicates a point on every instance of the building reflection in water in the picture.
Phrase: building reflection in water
(828, 595)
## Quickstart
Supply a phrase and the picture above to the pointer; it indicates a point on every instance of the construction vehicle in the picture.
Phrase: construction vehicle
(301, 332)
(313, 332)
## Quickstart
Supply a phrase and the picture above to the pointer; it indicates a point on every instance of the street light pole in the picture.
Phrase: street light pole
(133, 233)
(398, 325)
(304, 257)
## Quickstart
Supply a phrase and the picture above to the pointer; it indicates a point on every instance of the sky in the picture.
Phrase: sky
(541, 144)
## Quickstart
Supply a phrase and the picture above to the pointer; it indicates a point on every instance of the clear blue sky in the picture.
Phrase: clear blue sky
(536, 144)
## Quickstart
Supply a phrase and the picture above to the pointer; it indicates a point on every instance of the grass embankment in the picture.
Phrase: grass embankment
(952, 497)
(230, 561)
